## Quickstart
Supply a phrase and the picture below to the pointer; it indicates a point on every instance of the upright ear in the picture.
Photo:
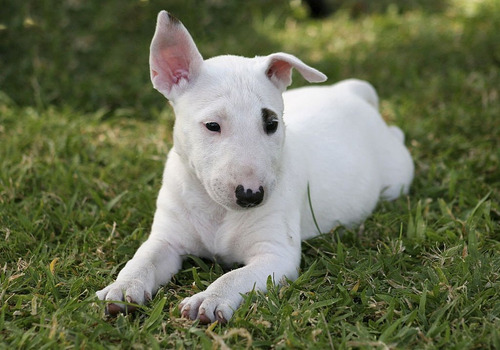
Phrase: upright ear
(279, 70)
(174, 59)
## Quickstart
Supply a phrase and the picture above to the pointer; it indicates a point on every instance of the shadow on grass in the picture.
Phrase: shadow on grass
(91, 55)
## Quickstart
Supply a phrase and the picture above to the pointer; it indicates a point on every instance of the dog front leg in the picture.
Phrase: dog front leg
(153, 265)
(223, 296)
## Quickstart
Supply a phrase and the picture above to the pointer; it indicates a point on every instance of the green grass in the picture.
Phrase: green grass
(83, 138)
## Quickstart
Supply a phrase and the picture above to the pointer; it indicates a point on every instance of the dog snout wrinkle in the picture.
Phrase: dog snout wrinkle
(248, 198)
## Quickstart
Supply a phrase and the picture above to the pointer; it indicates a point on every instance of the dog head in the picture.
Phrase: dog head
(229, 113)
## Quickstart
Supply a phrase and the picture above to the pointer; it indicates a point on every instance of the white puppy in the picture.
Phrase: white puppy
(245, 154)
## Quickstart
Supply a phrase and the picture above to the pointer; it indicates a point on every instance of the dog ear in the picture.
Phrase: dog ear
(174, 59)
(279, 70)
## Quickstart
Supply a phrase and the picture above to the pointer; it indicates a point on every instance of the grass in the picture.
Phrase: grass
(83, 138)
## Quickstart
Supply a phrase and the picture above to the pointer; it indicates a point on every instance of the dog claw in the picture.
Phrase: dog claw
(129, 309)
(185, 311)
(220, 317)
(204, 319)
(113, 309)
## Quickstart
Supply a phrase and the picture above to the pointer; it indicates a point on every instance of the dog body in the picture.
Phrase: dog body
(249, 167)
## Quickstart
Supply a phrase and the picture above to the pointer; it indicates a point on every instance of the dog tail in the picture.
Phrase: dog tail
(364, 90)
(367, 92)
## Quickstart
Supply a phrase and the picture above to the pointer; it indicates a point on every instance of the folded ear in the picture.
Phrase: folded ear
(174, 59)
(279, 70)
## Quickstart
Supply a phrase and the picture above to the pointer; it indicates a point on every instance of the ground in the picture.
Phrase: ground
(83, 139)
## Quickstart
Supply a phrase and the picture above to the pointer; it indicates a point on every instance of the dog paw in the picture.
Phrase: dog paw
(207, 308)
(131, 292)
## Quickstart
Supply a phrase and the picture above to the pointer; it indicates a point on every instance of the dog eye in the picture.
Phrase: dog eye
(271, 126)
(213, 126)
(270, 121)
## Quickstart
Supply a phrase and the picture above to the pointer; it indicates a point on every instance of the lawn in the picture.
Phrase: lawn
(83, 140)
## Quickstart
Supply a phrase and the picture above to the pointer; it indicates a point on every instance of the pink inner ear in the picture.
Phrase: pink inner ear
(171, 68)
(179, 74)
(280, 69)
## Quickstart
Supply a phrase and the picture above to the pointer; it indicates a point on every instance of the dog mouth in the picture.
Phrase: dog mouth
(247, 205)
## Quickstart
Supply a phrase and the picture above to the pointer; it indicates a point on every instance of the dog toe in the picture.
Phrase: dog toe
(206, 308)
(190, 306)
(203, 317)
(131, 292)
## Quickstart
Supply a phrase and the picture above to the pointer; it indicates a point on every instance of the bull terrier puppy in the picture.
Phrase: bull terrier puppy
(247, 158)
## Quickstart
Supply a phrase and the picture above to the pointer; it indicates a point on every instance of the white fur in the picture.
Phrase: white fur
(336, 144)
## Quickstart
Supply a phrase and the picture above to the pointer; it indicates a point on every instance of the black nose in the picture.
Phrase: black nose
(248, 198)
